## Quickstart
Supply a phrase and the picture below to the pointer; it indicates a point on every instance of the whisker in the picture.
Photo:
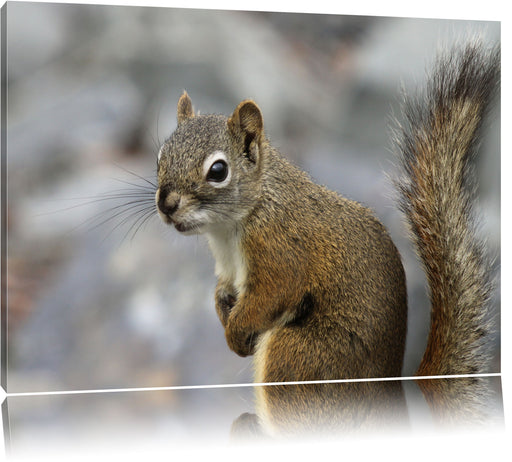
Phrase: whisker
(157, 133)
(143, 219)
(140, 177)
(143, 216)
(89, 200)
(134, 187)
(152, 188)
(131, 207)
(156, 142)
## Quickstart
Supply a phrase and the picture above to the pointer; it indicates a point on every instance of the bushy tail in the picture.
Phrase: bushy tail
(436, 144)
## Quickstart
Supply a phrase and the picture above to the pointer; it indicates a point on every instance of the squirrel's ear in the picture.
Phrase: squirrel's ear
(247, 122)
(185, 110)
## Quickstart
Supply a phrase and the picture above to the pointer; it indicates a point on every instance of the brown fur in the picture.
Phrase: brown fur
(322, 274)
(309, 281)
(306, 245)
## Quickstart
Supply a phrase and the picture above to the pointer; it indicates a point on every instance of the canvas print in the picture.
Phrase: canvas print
(270, 214)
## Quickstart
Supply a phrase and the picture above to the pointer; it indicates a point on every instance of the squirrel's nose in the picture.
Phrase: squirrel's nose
(168, 202)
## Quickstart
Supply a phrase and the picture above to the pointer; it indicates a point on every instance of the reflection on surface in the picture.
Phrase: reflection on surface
(331, 409)
(158, 420)
(317, 409)
(463, 401)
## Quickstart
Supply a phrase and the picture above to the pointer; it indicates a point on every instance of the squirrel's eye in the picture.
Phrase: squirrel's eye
(218, 172)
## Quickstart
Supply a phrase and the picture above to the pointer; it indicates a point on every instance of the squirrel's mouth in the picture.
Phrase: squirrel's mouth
(187, 229)
(182, 227)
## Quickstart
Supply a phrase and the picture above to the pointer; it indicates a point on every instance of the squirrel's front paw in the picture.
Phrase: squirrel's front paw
(224, 303)
(241, 340)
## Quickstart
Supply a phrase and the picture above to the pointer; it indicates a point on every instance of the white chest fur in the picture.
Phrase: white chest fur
(230, 264)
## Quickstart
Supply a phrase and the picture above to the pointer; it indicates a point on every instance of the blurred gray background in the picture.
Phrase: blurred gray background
(101, 303)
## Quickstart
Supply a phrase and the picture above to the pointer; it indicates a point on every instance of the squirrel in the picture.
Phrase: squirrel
(310, 282)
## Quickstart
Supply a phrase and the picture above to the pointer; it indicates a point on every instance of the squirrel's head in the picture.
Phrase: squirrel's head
(209, 169)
